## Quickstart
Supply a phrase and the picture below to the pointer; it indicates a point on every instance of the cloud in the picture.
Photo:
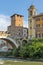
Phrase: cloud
(26, 24)
(4, 22)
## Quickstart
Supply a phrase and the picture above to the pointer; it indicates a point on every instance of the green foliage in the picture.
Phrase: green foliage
(36, 49)
(24, 42)
(33, 49)
(24, 52)
(16, 52)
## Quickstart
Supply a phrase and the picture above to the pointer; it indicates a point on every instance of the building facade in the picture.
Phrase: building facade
(3, 33)
(31, 13)
(16, 28)
(35, 23)
(38, 25)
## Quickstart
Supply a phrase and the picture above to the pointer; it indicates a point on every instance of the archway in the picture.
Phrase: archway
(24, 42)
(11, 41)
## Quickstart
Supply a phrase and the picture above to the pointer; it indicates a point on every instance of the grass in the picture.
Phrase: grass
(21, 63)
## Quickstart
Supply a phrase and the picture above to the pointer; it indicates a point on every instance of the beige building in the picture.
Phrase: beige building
(3, 33)
(31, 13)
(35, 23)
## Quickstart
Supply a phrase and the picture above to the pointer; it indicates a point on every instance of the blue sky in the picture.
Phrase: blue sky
(9, 7)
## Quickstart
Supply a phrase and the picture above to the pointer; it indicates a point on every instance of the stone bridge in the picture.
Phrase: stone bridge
(10, 40)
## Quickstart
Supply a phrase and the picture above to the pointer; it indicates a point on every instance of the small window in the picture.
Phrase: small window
(38, 25)
(19, 33)
(39, 35)
(24, 30)
(17, 15)
(30, 13)
(30, 21)
(42, 18)
(19, 24)
(19, 20)
(30, 27)
(35, 13)
(42, 34)
(19, 30)
(37, 19)
(30, 36)
(42, 25)
(36, 35)
(24, 34)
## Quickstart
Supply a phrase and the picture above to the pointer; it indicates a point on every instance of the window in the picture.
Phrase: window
(17, 15)
(30, 27)
(42, 34)
(42, 25)
(30, 21)
(19, 33)
(37, 19)
(19, 20)
(19, 24)
(19, 30)
(34, 12)
(24, 34)
(30, 13)
(14, 20)
(30, 36)
(38, 25)
(24, 30)
(36, 35)
(39, 35)
(42, 18)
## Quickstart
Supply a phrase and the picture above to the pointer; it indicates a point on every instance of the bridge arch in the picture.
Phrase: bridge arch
(24, 41)
(10, 40)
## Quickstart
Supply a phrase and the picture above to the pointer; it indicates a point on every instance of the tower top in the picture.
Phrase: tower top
(17, 15)
(32, 7)
(32, 11)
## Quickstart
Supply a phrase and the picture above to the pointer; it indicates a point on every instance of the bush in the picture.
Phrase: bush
(16, 52)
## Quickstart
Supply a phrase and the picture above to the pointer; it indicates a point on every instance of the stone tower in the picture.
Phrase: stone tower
(17, 20)
(31, 13)
(16, 28)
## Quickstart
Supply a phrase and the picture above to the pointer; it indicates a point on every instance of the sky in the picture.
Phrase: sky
(10, 7)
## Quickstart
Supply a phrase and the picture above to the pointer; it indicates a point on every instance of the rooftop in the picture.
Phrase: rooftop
(31, 7)
(17, 15)
(41, 14)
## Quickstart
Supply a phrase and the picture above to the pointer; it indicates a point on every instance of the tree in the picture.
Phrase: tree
(16, 52)
(25, 52)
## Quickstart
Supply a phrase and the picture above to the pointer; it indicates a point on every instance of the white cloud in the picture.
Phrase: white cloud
(4, 22)
(26, 24)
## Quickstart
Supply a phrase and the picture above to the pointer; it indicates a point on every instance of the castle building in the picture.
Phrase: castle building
(35, 23)
(16, 28)
(17, 20)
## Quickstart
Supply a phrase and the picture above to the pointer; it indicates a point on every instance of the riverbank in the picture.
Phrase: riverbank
(11, 62)
(21, 59)
(16, 61)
